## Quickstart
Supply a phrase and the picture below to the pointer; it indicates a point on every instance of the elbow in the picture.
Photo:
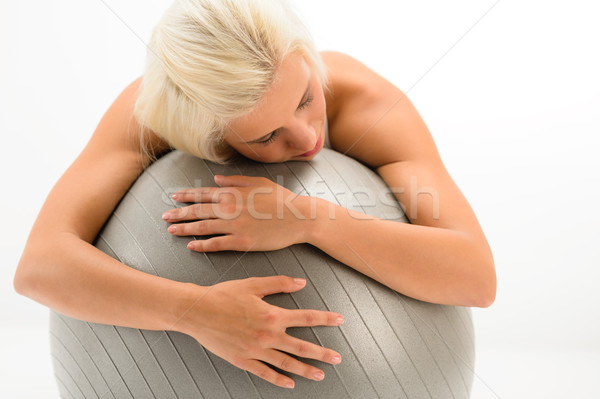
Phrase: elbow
(35, 269)
(484, 293)
(485, 298)
(24, 281)
(21, 280)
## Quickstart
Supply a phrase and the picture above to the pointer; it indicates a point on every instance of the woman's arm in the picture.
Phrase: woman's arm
(60, 268)
(431, 264)
(447, 264)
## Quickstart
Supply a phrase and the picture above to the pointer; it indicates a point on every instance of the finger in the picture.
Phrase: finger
(200, 228)
(265, 372)
(191, 212)
(235, 180)
(287, 363)
(309, 317)
(263, 286)
(199, 194)
(222, 243)
(298, 347)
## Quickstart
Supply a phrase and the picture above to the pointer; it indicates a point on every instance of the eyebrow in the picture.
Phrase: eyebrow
(262, 138)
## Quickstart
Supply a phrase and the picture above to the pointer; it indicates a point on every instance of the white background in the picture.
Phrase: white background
(509, 91)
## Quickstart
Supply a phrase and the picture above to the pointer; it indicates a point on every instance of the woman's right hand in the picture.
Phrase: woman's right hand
(231, 320)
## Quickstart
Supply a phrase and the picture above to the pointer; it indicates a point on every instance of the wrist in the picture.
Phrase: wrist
(317, 212)
(185, 297)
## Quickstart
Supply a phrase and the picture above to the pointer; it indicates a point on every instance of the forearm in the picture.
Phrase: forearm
(78, 280)
(431, 264)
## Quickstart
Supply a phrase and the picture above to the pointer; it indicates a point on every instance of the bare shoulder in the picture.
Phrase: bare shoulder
(371, 119)
(121, 111)
(99, 177)
(341, 69)
(341, 66)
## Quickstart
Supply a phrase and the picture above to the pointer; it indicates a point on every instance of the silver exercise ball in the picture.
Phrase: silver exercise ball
(392, 346)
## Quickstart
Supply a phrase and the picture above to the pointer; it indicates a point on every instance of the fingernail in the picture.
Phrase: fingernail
(166, 215)
(289, 384)
(174, 196)
(336, 359)
(319, 375)
(172, 229)
(191, 245)
(339, 320)
(299, 281)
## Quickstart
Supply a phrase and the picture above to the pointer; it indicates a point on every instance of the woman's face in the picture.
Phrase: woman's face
(289, 122)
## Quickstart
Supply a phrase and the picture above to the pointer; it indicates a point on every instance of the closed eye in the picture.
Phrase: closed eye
(306, 103)
(271, 138)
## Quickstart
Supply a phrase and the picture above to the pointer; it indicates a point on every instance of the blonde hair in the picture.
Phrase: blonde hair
(210, 61)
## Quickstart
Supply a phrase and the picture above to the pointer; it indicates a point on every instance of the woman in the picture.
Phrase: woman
(228, 77)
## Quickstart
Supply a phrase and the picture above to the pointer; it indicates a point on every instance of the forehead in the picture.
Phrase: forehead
(278, 103)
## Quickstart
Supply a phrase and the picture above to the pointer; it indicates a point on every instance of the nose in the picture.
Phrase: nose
(305, 138)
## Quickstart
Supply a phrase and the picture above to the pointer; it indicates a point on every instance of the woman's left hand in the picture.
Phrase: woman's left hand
(254, 213)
